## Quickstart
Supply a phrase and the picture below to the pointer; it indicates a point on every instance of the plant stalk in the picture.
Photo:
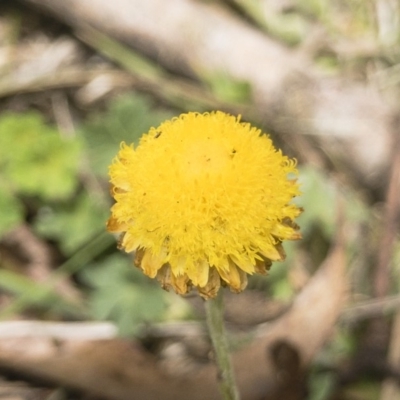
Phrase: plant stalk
(215, 322)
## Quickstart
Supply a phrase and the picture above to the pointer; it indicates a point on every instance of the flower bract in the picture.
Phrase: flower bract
(204, 200)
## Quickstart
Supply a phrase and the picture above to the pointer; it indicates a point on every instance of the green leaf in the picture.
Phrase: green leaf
(11, 209)
(318, 199)
(321, 385)
(229, 89)
(121, 293)
(281, 286)
(35, 159)
(72, 224)
(127, 118)
(33, 294)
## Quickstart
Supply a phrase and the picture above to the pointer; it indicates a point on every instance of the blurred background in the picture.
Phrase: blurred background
(77, 78)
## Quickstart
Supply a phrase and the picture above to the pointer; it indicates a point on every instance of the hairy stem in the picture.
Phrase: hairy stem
(215, 322)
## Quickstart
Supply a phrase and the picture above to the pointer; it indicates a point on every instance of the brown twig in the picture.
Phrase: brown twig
(368, 309)
(39, 264)
(383, 273)
(376, 337)
(390, 221)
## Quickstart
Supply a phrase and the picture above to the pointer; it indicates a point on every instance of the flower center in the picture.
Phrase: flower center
(204, 157)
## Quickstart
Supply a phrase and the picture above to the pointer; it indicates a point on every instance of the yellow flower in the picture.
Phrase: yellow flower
(203, 200)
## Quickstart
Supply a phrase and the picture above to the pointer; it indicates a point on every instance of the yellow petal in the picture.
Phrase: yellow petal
(243, 280)
(263, 266)
(129, 243)
(234, 277)
(199, 275)
(223, 264)
(151, 263)
(243, 264)
(114, 226)
(295, 236)
(164, 277)
(210, 290)
(139, 253)
(282, 231)
(180, 283)
(274, 252)
(179, 266)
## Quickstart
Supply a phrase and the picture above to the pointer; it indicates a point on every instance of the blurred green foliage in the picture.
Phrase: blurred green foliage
(35, 161)
(62, 182)
(294, 22)
(319, 199)
(127, 118)
(38, 296)
(227, 89)
(72, 223)
(123, 294)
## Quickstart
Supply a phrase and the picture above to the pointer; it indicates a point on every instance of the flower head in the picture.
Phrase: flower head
(203, 200)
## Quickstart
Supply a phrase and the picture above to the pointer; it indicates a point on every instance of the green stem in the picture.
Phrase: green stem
(215, 322)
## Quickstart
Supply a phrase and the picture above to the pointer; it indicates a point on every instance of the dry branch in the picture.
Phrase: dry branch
(57, 330)
(121, 370)
(39, 264)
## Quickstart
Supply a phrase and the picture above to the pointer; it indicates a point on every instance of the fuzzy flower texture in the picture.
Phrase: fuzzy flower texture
(204, 200)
